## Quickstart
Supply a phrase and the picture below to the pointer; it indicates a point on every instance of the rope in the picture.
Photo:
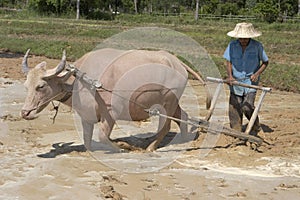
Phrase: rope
(134, 102)
(156, 112)
(46, 102)
(56, 111)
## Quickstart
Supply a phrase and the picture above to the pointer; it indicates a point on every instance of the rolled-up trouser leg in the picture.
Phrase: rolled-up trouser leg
(235, 112)
(248, 108)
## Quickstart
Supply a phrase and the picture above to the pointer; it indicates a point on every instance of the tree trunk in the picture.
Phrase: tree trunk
(135, 7)
(197, 10)
(58, 9)
(77, 11)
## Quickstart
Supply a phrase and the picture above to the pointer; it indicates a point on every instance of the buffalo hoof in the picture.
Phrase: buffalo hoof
(88, 147)
(151, 147)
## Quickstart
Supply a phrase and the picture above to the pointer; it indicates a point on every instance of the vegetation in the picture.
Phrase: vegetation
(267, 10)
(48, 36)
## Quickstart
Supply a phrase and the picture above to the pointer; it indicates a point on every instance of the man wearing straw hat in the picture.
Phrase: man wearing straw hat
(245, 61)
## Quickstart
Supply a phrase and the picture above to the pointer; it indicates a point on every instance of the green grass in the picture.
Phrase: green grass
(48, 36)
(286, 77)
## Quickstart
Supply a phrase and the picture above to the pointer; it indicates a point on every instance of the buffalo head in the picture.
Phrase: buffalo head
(42, 86)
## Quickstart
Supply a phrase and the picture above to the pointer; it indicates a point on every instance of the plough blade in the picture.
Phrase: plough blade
(210, 128)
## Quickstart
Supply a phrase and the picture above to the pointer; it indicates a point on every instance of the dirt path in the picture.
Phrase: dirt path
(40, 160)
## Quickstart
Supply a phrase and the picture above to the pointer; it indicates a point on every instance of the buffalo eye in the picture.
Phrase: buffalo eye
(40, 86)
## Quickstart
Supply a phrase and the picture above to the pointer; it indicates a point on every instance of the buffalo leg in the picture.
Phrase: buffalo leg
(181, 114)
(106, 127)
(165, 124)
(87, 134)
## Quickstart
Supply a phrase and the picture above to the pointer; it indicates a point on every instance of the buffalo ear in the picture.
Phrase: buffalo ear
(58, 69)
(42, 65)
(61, 77)
(64, 76)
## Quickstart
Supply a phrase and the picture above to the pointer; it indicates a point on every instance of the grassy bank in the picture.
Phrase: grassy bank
(48, 36)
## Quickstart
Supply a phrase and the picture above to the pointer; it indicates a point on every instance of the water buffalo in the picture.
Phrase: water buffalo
(132, 82)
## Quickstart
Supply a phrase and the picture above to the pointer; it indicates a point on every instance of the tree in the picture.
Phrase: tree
(227, 9)
(267, 10)
(197, 10)
(135, 6)
(209, 6)
(250, 4)
(13, 3)
(77, 9)
(288, 7)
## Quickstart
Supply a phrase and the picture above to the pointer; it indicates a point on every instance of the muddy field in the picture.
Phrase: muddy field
(41, 160)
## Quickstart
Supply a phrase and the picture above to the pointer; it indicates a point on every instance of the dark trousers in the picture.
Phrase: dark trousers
(239, 105)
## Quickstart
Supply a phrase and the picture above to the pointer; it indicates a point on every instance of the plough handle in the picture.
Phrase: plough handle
(218, 80)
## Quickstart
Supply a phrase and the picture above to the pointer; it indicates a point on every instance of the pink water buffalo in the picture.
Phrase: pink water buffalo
(133, 82)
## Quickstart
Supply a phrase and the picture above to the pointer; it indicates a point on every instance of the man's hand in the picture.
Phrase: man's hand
(254, 77)
(230, 80)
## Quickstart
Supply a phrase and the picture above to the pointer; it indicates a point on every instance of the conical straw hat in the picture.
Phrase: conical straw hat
(244, 30)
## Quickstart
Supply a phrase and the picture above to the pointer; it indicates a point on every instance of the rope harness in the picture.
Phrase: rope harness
(94, 85)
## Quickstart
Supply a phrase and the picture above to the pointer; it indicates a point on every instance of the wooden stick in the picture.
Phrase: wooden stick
(255, 112)
(213, 102)
(208, 126)
(218, 80)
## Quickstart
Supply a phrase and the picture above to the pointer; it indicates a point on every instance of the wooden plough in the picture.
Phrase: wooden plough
(209, 127)
(257, 108)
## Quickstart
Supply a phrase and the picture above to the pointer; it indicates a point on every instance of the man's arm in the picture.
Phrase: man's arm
(229, 72)
(254, 77)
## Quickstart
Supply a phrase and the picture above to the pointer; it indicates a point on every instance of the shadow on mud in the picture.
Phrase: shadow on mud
(136, 144)
(142, 143)
(266, 128)
(125, 144)
(62, 148)
(133, 143)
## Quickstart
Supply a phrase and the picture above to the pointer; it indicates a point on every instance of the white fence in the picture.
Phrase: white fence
(227, 17)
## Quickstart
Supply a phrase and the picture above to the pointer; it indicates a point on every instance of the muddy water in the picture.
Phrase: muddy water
(41, 160)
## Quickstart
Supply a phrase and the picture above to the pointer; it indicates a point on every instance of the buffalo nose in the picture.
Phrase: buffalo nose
(24, 113)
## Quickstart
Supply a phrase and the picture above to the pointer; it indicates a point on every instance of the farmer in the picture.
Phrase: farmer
(245, 61)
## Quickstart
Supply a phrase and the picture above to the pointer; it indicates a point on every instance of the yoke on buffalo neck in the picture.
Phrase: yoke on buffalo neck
(94, 84)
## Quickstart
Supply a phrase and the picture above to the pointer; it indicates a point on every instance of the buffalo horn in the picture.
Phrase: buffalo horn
(59, 68)
(25, 67)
